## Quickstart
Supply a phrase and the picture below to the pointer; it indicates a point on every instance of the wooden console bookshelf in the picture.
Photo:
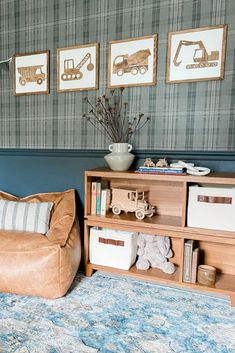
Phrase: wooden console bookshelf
(169, 193)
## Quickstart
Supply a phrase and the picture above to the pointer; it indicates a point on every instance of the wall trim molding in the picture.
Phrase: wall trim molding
(91, 153)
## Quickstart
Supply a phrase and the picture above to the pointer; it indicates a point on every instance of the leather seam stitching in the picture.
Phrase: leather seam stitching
(59, 269)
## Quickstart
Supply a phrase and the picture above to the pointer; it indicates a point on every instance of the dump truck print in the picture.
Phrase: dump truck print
(31, 74)
(134, 63)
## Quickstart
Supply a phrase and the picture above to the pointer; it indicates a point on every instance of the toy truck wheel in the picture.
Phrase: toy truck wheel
(139, 214)
(120, 72)
(150, 214)
(134, 71)
(116, 209)
(79, 75)
(22, 82)
(143, 70)
(39, 81)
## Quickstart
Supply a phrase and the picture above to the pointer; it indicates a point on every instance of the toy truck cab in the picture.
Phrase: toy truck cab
(128, 200)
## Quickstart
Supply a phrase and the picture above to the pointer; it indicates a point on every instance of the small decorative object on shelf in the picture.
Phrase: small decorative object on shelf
(206, 275)
(179, 168)
(161, 167)
(190, 168)
(162, 163)
(109, 115)
(149, 163)
(128, 200)
(154, 251)
(120, 158)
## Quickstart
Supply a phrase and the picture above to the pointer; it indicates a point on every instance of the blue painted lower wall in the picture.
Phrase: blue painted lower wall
(23, 172)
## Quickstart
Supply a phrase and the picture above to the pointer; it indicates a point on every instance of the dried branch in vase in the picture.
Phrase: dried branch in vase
(109, 115)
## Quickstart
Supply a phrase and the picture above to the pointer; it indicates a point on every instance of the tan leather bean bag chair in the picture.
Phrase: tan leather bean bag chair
(42, 265)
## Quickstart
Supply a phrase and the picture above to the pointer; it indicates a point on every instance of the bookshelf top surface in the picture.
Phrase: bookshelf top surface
(213, 178)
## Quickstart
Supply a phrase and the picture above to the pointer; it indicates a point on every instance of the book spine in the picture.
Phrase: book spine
(187, 262)
(104, 184)
(194, 265)
(103, 202)
(98, 198)
(108, 200)
(93, 198)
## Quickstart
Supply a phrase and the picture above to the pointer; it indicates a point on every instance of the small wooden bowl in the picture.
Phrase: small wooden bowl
(206, 275)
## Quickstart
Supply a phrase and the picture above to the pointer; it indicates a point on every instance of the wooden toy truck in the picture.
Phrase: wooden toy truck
(128, 200)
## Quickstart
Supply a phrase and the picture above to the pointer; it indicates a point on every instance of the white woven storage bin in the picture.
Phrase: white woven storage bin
(211, 207)
(113, 248)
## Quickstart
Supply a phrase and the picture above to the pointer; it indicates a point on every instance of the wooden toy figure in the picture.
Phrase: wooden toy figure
(149, 163)
(162, 163)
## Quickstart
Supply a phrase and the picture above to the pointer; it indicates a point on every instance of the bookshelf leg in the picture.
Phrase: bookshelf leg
(232, 298)
(88, 270)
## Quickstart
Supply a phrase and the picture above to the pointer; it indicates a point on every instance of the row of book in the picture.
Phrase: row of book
(100, 197)
(191, 257)
(162, 170)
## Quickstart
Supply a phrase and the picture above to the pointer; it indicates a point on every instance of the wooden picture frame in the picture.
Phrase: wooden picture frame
(132, 62)
(71, 60)
(31, 73)
(196, 54)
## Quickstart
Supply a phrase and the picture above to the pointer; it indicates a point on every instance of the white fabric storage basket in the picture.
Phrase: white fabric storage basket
(113, 248)
(211, 207)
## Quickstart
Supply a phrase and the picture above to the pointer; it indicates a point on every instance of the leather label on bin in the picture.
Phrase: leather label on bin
(111, 242)
(214, 199)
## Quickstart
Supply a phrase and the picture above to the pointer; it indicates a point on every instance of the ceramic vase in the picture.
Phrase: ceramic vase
(120, 158)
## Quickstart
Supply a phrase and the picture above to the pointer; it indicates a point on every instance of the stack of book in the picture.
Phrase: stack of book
(162, 170)
(191, 254)
(100, 197)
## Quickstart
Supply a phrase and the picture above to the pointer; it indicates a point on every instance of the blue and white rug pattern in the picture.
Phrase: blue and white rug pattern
(109, 314)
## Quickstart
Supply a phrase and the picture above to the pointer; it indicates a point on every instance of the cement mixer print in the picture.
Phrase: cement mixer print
(132, 62)
(31, 73)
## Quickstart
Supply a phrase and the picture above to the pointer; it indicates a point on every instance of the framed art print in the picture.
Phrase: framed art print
(31, 73)
(77, 68)
(132, 62)
(196, 54)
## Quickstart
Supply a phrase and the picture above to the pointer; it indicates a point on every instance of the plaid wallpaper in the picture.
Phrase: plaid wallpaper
(188, 116)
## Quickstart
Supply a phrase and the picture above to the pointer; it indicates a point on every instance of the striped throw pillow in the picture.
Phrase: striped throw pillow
(25, 216)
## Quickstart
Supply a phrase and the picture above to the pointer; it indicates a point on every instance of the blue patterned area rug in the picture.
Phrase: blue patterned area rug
(109, 314)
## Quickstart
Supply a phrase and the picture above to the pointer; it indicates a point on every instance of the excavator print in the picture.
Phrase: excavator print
(200, 57)
(72, 72)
